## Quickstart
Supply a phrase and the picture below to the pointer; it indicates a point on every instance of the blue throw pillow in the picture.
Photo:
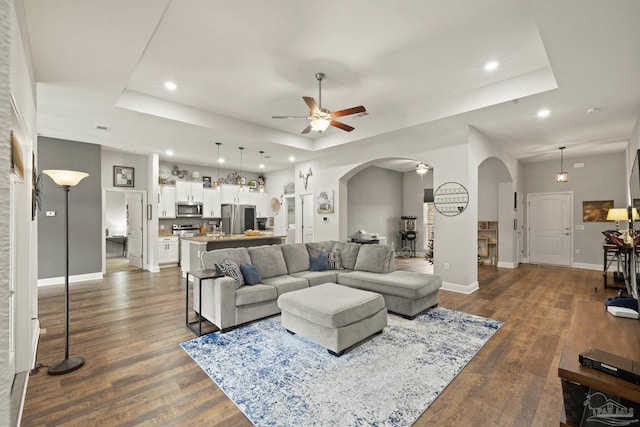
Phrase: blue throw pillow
(250, 273)
(319, 263)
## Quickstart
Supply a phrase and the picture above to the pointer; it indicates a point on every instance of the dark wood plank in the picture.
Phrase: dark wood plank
(128, 327)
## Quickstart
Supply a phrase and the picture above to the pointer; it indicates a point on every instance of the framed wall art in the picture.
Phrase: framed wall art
(596, 210)
(123, 176)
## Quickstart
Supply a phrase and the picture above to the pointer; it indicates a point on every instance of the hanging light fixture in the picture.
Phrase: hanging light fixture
(241, 186)
(562, 176)
(422, 168)
(261, 188)
(218, 186)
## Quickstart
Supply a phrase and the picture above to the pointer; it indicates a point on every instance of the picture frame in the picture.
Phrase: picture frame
(252, 184)
(123, 176)
(206, 182)
(325, 202)
(596, 210)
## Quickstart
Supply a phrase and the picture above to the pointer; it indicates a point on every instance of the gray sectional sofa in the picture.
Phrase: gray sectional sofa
(286, 268)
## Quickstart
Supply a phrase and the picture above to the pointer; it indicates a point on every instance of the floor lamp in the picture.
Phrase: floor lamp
(66, 180)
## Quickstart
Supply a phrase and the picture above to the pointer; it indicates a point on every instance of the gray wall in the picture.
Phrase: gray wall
(602, 178)
(375, 202)
(85, 210)
(413, 191)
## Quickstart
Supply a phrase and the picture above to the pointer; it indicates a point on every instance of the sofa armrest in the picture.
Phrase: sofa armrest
(218, 301)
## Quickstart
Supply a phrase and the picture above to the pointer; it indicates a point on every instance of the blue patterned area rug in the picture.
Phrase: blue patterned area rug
(279, 379)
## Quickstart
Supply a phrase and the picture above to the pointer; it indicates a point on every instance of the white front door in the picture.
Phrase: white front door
(549, 224)
(133, 203)
(307, 218)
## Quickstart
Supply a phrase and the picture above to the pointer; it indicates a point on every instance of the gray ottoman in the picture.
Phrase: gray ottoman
(334, 316)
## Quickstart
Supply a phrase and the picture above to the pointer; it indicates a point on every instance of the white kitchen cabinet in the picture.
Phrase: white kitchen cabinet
(262, 205)
(189, 191)
(211, 203)
(231, 195)
(167, 202)
(168, 250)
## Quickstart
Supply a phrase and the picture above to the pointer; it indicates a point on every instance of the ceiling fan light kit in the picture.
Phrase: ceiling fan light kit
(320, 118)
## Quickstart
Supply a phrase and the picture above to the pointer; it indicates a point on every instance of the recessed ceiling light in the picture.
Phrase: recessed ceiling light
(220, 160)
(170, 85)
(592, 110)
(544, 113)
(491, 65)
(292, 159)
(169, 152)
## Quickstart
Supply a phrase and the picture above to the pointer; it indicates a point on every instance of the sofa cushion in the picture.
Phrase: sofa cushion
(268, 260)
(238, 255)
(231, 269)
(316, 278)
(316, 248)
(375, 259)
(405, 284)
(296, 257)
(348, 253)
(318, 263)
(284, 284)
(254, 294)
(250, 274)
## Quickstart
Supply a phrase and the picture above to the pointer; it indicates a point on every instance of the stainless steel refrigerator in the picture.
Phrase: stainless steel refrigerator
(236, 219)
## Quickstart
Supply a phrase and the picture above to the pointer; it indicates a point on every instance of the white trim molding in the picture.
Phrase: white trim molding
(72, 279)
(461, 289)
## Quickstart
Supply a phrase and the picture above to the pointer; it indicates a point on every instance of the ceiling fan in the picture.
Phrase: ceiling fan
(321, 118)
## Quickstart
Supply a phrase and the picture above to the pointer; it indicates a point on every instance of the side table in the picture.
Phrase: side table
(200, 275)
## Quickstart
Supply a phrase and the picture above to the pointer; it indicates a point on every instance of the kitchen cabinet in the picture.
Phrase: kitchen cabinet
(189, 191)
(168, 252)
(211, 203)
(167, 202)
(231, 195)
(261, 200)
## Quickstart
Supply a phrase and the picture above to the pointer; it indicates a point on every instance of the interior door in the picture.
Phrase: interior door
(307, 218)
(519, 225)
(133, 203)
(549, 219)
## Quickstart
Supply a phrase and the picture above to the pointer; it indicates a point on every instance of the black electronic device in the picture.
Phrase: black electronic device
(612, 364)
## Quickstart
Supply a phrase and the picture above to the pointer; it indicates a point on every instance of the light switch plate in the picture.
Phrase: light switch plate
(50, 213)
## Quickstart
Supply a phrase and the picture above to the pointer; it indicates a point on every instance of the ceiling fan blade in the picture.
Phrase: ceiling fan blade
(307, 129)
(341, 126)
(313, 107)
(349, 111)
(288, 117)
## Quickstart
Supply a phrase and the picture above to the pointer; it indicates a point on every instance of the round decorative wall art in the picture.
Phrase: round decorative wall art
(451, 198)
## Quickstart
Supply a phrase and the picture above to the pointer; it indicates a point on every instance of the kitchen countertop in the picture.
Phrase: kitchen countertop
(232, 237)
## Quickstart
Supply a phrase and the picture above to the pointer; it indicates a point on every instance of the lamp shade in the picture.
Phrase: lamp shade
(65, 178)
(422, 168)
(320, 125)
(621, 214)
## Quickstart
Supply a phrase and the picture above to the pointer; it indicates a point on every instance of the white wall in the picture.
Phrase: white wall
(274, 185)
(115, 213)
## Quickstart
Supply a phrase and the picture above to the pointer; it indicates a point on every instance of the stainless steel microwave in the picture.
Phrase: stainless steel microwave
(189, 210)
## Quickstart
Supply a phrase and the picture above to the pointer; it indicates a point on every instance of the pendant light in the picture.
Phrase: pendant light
(422, 168)
(241, 186)
(562, 176)
(218, 186)
(261, 188)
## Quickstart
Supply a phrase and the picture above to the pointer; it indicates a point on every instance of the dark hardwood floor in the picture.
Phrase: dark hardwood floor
(128, 327)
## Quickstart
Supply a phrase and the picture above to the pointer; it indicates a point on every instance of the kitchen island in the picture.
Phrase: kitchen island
(192, 247)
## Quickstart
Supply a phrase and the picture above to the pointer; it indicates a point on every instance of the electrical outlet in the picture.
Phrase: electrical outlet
(446, 265)
(50, 213)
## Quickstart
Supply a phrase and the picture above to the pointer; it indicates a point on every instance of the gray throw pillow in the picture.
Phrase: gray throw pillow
(229, 268)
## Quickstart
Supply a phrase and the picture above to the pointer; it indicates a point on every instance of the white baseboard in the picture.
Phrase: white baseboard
(77, 278)
(585, 266)
(462, 289)
(503, 264)
(154, 268)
